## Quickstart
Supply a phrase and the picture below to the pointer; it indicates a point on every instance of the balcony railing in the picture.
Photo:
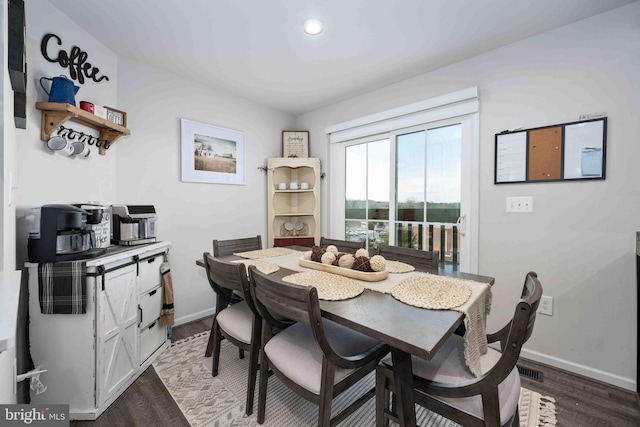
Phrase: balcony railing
(431, 236)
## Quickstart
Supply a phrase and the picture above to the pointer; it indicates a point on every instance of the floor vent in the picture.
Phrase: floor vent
(530, 373)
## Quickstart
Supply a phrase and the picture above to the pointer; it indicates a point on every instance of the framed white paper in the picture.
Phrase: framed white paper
(212, 154)
(584, 150)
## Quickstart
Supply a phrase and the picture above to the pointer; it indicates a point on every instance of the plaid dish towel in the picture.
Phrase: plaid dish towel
(62, 287)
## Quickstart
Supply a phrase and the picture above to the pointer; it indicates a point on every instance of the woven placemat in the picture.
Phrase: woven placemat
(263, 266)
(399, 267)
(331, 287)
(265, 253)
(431, 291)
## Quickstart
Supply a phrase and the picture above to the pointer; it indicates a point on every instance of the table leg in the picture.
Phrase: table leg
(403, 379)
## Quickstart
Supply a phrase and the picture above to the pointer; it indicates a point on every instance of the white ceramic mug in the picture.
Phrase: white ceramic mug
(81, 149)
(304, 185)
(293, 186)
(282, 186)
(60, 145)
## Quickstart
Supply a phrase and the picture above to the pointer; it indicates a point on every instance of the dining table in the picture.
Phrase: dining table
(407, 329)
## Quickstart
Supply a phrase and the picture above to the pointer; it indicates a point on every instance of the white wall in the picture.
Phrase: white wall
(44, 176)
(580, 236)
(191, 215)
(144, 168)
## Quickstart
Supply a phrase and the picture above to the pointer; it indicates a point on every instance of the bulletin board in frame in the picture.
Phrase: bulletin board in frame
(563, 152)
(295, 143)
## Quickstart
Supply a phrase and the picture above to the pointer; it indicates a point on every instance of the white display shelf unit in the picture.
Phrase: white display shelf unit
(293, 207)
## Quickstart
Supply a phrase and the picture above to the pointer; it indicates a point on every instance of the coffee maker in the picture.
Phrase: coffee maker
(133, 224)
(60, 233)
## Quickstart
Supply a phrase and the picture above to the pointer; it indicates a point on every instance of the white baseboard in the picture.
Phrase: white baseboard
(596, 374)
(194, 316)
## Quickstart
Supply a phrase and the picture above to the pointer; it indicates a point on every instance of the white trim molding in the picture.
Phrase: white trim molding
(430, 110)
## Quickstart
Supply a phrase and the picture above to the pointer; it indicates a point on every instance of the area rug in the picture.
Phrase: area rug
(208, 401)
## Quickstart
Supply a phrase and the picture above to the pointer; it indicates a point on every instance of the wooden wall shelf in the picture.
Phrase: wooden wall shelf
(54, 114)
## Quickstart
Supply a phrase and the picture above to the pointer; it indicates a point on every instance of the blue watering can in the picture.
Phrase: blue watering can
(62, 89)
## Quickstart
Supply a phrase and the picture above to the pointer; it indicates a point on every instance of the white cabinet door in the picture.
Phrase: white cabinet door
(117, 331)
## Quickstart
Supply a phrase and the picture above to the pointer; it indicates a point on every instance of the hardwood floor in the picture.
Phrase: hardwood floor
(580, 401)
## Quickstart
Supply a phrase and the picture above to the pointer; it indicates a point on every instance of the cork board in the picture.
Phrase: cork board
(561, 152)
(545, 155)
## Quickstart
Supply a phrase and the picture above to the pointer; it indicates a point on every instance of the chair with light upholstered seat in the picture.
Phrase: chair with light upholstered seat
(342, 245)
(416, 257)
(237, 322)
(229, 247)
(315, 357)
(445, 385)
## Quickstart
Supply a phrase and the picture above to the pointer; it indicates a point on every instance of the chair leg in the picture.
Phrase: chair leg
(326, 393)
(251, 383)
(240, 353)
(217, 338)
(382, 398)
(262, 387)
(209, 349)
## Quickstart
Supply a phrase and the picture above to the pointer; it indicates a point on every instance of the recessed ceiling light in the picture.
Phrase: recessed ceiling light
(312, 27)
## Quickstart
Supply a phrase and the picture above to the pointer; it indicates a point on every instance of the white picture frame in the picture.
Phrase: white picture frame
(212, 154)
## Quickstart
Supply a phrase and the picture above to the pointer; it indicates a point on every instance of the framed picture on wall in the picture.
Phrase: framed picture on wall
(295, 143)
(212, 154)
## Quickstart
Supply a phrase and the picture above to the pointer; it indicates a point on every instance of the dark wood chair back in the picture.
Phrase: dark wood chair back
(228, 280)
(231, 246)
(342, 245)
(417, 257)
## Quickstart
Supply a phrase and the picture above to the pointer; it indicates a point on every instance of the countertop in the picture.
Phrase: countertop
(118, 253)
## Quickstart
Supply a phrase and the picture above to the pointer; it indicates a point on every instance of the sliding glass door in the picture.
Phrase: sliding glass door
(414, 188)
(367, 193)
(428, 191)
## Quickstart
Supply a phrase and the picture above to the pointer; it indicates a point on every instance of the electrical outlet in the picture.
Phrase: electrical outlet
(520, 204)
(546, 305)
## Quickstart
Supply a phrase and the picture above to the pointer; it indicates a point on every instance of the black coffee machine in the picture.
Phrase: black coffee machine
(60, 233)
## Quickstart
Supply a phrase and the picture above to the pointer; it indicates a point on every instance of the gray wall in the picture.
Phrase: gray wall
(580, 236)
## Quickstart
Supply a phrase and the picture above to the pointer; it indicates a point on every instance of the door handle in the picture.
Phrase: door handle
(462, 224)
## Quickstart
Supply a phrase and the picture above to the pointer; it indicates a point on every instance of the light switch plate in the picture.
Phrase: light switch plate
(522, 204)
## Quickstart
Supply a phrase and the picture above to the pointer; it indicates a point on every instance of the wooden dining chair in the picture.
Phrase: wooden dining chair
(231, 246)
(236, 322)
(417, 257)
(445, 385)
(342, 245)
(315, 357)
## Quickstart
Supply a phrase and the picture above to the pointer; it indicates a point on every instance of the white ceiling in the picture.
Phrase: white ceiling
(256, 48)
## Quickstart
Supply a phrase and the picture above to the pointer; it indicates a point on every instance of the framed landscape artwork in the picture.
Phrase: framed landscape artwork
(212, 154)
